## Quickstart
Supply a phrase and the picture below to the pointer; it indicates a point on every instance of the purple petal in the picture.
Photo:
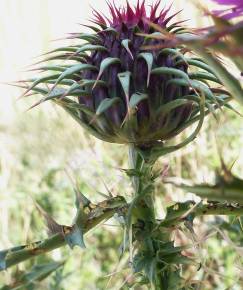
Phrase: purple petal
(229, 2)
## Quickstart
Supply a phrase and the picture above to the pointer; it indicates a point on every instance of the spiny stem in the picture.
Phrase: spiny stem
(219, 209)
(13, 257)
(201, 210)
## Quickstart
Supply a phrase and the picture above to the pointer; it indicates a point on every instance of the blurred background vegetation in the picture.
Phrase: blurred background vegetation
(44, 154)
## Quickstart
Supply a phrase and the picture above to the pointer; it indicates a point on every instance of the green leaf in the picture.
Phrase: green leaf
(171, 71)
(202, 88)
(3, 255)
(90, 83)
(136, 99)
(81, 201)
(52, 68)
(197, 63)
(75, 237)
(94, 28)
(88, 37)
(204, 76)
(41, 80)
(169, 248)
(65, 48)
(148, 57)
(124, 79)
(178, 259)
(133, 172)
(229, 81)
(168, 107)
(105, 64)
(64, 56)
(74, 113)
(38, 273)
(125, 43)
(175, 52)
(91, 47)
(73, 70)
(106, 104)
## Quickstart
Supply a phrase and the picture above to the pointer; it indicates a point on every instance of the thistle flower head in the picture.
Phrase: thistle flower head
(122, 92)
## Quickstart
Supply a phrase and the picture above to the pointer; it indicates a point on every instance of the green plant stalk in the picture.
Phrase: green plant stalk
(201, 210)
(142, 212)
(14, 257)
(146, 230)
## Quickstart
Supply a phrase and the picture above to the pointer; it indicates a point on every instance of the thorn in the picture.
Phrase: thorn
(106, 187)
(81, 199)
(35, 105)
(97, 79)
(52, 225)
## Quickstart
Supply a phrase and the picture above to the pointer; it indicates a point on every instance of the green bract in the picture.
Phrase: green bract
(123, 92)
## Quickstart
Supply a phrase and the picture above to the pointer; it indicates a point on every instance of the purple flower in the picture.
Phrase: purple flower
(121, 92)
(235, 10)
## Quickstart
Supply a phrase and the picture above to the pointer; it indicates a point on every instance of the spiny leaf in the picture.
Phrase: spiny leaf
(204, 76)
(61, 49)
(230, 82)
(71, 107)
(110, 29)
(175, 52)
(81, 200)
(197, 63)
(171, 71)
(64, 56)
(136, 99)
(106, 104)
(72, 70)
(148, 57)
(41, 80)
(168, 107)
(66, 102)
(105, 64)
(94, 28)
(124, 79)
(38, 273)
(178, 259)
(51, 68)
(72, 88)
(52, 225)
(125, 43)
(75, 237)
(91, 47)
(195, 85)
(88, 37)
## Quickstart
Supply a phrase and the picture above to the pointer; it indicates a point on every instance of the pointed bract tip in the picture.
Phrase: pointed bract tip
(132, 15)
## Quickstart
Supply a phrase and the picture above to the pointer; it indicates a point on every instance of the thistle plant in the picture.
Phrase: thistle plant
(125, 82)
(123, 92)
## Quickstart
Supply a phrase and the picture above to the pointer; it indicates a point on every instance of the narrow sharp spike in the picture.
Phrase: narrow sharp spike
(148, 57)
(125, 44)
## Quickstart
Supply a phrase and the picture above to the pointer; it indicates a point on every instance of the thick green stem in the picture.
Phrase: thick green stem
(143, 216)
(143, 186)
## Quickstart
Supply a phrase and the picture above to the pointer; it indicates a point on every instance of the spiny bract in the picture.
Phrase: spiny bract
(122, 92)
